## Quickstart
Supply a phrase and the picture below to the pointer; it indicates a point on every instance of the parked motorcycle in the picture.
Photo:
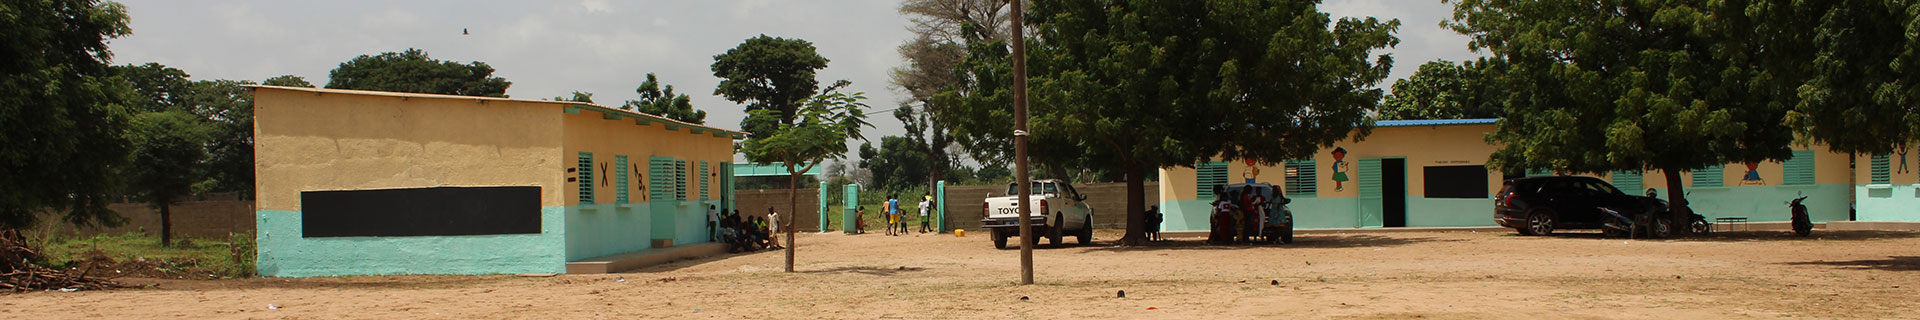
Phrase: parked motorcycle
(1802, 225)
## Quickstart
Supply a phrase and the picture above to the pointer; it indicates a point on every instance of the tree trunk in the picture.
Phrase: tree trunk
(1677, 205)
(166, 225)
(1136, 205)
(793, 209)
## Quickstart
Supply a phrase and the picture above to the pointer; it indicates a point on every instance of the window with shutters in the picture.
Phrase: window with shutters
(1714, 176)
(620, 179)
(659, 179)
(680, 180)
(703, 181)
(1880, 168)
(585, 174)
(1628, 182)
(1300, 179)
(1799, 169)
(1208, 175)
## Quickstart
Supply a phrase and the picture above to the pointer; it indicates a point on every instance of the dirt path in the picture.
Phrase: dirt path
(1460, 275)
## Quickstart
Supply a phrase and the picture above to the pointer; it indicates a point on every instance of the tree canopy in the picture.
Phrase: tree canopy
(61, 112)
(413, 71)
(1444, 90)
(167, 159)
(768, 73)
(288, 81)
(820, 131)
(658, 99)
(158, 86)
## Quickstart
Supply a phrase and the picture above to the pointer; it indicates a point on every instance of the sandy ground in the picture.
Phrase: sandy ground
(1452, 275)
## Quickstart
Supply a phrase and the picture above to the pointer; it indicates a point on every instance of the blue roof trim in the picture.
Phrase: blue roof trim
(1441, 122)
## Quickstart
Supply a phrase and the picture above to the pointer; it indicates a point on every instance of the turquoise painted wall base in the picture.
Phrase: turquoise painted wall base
(1900, 203)
(1756, 203)
(284, 253)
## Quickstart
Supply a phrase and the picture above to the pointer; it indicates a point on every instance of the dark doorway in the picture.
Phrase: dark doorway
(1393, 188)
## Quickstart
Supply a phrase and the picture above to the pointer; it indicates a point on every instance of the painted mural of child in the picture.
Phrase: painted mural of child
(1340, 169)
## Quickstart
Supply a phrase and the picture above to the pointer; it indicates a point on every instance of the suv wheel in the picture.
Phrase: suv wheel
(1540, 223)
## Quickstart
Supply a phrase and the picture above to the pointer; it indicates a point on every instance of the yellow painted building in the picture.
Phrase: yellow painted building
(366, 182)
(1433, 173)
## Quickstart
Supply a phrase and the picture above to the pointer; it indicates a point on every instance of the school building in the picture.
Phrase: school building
(364, 183)
(1433, 173)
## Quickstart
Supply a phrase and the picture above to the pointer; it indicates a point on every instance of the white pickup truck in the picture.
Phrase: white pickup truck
(1057, 211)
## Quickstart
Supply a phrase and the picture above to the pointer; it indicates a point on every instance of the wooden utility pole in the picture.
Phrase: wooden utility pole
(1021, 181)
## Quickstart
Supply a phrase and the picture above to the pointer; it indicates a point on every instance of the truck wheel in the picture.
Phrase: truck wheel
(1055, 236)
(1086, 232)
(999, 239)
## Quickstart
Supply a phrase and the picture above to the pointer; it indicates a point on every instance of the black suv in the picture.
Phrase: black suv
(1538, 205)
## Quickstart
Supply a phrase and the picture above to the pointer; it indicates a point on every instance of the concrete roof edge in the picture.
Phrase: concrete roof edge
(448, 96)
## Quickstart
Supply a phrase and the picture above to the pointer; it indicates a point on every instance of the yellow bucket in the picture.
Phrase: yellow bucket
(959, 232)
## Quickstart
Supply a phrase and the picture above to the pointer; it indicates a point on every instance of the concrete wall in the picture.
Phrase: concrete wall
(312, 140)
(1107, 199)
(609, 226)
(754, 203)
(1336, 204)
(1899, 199)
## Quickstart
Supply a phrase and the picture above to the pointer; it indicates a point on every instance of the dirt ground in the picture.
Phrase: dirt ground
(1450, 275)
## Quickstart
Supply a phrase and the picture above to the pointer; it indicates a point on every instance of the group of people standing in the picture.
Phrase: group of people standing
(896, 218)
(742, 233)
(1237, 215)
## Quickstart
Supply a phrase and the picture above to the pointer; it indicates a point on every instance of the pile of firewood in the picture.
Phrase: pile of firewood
(19, 274)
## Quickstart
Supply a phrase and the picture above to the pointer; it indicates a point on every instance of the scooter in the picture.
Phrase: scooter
(1802, 225)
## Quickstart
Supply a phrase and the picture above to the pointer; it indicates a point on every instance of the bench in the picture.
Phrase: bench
(1731, 221)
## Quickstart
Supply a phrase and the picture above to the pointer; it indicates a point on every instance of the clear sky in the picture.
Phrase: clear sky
(552, 48)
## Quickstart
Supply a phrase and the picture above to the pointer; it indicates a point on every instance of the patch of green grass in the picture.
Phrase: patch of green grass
(229, 258)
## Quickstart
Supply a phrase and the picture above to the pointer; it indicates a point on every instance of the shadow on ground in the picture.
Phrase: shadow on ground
(343, 282)
(866, 270)
(1333, 241)
(1749, 236)
(1906, 263)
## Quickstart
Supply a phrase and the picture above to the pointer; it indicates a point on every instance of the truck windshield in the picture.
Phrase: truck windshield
(1038, 188)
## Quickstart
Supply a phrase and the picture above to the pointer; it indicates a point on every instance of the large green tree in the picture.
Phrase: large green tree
(1848, 67)
(822, 127)
(413, 71)
(159, 87)
(288, 81)
(225, 108)
(1444, 90)
(943, 31)
(168, 148)
(1628, 86)
(61, 112)
(659, 99)
(1133, 86)
(768, 73)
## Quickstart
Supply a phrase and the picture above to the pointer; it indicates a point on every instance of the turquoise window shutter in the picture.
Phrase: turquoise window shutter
(680, 180)
(1208, 175)
(703, 181)
(1628, 182)
(585, 173)
(1799, 170)
(1301, 181)
(620, 179)
(1714, 176)
(1881, 174)
(659, 179)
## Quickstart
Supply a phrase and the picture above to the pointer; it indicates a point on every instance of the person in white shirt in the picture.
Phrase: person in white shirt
(926, 202)
(713, 222)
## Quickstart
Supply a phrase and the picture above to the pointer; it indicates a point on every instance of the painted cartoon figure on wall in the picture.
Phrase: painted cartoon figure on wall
(1753, 174)
(1252, 173)
(1340, 168)
(1903, 159)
